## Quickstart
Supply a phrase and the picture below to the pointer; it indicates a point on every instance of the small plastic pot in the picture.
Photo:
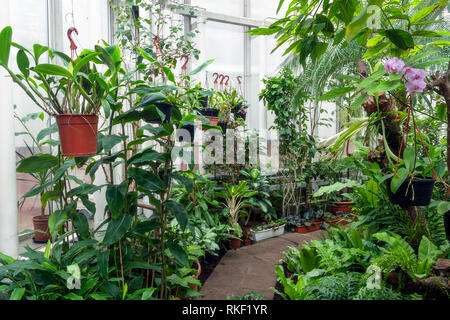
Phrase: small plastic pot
(41, 223)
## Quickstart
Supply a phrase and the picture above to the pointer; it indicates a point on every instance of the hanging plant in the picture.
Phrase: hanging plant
(74, 93)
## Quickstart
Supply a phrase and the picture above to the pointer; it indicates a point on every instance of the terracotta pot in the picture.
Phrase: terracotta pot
(304, 229)
(77, 134)
(213, 121)
(199, 271)
(41, 223)
(344, 206)
(235, 243)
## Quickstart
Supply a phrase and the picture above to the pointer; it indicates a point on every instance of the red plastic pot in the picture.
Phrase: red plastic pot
(77, 134)
(341, 206)
(41, 223)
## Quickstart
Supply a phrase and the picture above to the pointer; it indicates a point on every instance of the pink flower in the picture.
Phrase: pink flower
(415, 85)
(414, 74)
(394, 65)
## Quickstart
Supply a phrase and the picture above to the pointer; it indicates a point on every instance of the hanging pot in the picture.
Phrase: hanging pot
(77, 134)
(416, 192)
(41, 223)
(209, 112)
(341, 206)
(447, 224)
(165, 108)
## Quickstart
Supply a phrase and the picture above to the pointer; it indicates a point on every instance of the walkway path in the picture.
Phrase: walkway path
(251, 267)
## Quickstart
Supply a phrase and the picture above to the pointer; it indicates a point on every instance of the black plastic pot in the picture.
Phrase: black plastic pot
(447, 224)
(224, 126)
(165, 108)
(190, 128)
(416, 193)
(208, 112)
(204, 102)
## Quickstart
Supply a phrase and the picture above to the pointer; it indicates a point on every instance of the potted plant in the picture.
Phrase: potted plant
(333, 194)
(237, 104)
(268, 230)
(39, 166)
(236, 200)
(74, 94)
(411, 183)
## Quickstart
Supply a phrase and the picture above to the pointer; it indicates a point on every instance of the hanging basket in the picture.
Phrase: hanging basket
(416, 192)
(77, 134)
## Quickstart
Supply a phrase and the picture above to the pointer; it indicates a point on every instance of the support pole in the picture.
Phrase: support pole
(9, 242)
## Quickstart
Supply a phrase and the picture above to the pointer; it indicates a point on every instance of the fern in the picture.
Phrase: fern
(342, 286)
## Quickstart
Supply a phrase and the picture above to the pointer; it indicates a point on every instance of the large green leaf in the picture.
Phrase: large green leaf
(37, 163)
(201, 67)
(5, 45)
(56, 221)
(145, 179)
(115, 197)
(402, 39)
(423, 13)
(339, 92)
(147, 156)
(409, 155)
(398, 179)
(81, 225)
(178, 210)
(23, 63)
(53, 70)
(103, 264)
(117, 229)
(17, 294)
(179, 253)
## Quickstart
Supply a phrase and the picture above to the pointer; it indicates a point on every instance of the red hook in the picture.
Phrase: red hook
(184, 67)
(228, 80)
(217, 76)
(73, 46)
(239, 79)
(223, 78)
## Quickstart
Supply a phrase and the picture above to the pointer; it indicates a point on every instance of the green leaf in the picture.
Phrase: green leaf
(56, 221)
(145, 179)
(81, 225)
(115, 197)
(17, 294)
(200, 68)
(431, 62)
(357, 25)
(423, 13)
(117, 229)
(146, 226)
(110, 141)
(443, 207)
(409, 155)
(53, 70)
(339, 92)
(178, 210)
(385, 86)
(179, 253)
(427, 250)
(103, 264)
(5, 45)
(37, 163)
(398, 179)
(400, 38)
(47, 131)
(23, 63)
(147, 156)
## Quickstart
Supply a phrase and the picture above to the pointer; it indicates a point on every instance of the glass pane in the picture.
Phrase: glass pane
(232, 7)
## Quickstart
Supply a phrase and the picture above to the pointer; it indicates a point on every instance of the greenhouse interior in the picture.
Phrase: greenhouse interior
(200, 150)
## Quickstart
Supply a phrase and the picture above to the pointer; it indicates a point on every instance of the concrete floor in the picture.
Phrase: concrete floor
(251, 267)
